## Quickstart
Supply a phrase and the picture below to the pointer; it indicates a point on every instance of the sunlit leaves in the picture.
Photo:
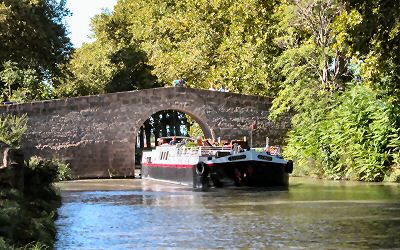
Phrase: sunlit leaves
(12, 129)
(376, 41)
(23, 85)
(32, 34)
(218, 42)
(34, 39)
(113, 62)
(341, 128)
(354, 137)
(92, 70)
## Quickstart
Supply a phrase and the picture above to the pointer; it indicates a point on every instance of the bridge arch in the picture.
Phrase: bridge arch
(96, 134)
(201, 119)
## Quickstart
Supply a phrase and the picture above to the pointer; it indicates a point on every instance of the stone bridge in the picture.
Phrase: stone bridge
(97, 134)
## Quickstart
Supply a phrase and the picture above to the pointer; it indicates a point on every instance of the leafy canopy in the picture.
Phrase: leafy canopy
(33, 45)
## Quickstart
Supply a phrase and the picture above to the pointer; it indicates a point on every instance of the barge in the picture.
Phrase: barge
(204, 166)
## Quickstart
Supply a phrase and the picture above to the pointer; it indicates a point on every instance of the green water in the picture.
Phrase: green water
(139, 214)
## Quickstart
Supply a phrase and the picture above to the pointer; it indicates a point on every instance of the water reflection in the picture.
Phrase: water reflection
(150, 215)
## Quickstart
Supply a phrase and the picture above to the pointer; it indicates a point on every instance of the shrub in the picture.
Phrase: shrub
(64, 170)
(55, 170)
(358, 133)
(12, 128)
(28, 216)
(355, 138)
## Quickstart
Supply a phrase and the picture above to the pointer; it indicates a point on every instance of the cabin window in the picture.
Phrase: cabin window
(264, 157)
(164, 155)
(236, 157)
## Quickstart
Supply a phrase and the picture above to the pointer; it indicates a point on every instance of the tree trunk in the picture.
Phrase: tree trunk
(156, 128)
(147, 131)
(141, 137)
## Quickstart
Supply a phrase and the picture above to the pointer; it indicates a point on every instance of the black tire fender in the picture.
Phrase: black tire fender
(289, 167)
(202, 169)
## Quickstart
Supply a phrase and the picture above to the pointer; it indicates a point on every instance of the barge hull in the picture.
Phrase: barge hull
(250, 173)
(180, 175)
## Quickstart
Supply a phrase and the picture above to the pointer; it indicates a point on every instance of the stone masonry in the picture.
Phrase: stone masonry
(97, 134)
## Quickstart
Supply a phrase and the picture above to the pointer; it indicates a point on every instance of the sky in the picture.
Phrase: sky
(82, 11)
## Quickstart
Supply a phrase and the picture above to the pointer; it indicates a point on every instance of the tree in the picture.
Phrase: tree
(23, 85)
(12, 128)
(33, 35)
(218, 42)
(374, 38)
(343, 126)
(371, 31)
(89, 71)
(10, 76)
(310, 66)
(107, 65)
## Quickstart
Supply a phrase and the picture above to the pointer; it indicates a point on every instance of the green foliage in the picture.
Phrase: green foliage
(91, 70)
(194, 128)
(27, 217)
(393, 175)
(64, 170)
(9, 76)
(305, 33)
(34, 38)
(51, 170)
(220, 42)
(360, 129)
(191, 144)
(354, 138)
(110, 64)
(12, 128)
(301, 86)
(4, 244)
(377, 26)
(309, 68)
(22, 85)
(371, 31)
(342, 126)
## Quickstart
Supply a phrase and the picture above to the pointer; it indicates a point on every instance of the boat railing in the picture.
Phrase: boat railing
(201, 150)
(272, 150)
(259, 149)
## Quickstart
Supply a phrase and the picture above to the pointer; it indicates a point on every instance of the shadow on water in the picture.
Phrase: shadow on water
(138, 214)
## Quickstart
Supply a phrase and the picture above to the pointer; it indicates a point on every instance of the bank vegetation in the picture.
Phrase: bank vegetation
(28, 199)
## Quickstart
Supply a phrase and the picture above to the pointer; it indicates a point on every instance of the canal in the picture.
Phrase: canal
(142, 214)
